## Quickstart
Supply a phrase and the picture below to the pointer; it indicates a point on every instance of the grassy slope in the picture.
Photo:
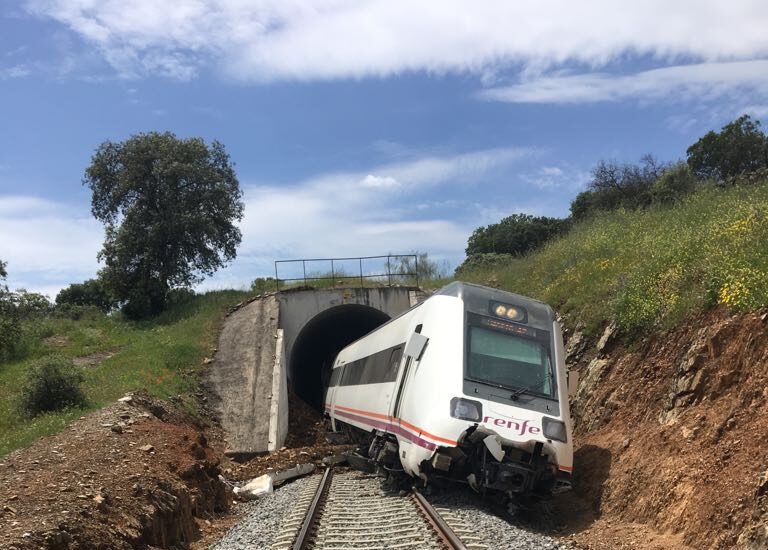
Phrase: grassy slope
(161, 357)
(648, 269)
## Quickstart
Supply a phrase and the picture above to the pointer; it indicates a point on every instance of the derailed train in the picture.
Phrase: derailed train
(470, 385)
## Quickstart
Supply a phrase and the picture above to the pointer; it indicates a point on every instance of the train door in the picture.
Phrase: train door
(330, 393)
(413, 350)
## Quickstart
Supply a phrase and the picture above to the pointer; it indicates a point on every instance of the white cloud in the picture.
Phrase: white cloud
(47, 245)
(329, 39)
(379, 181)
(756, 111)
(548, 178)
(17, 71)
(682, 123)
(327, 215)
(699, 81)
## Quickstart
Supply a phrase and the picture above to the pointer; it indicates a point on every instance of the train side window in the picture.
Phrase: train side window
(346, 376)
(394, 364)
(335, 375)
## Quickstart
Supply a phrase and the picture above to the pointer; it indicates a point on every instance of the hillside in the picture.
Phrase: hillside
(665, 319)
(161, 357)
(648, 269)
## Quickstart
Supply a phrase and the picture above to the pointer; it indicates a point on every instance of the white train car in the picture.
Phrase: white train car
(469, 385)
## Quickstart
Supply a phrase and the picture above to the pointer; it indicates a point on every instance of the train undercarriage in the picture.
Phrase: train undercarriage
(517, 478)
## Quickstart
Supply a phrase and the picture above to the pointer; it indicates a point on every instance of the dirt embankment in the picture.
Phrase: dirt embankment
(136, 474)
(673, 434)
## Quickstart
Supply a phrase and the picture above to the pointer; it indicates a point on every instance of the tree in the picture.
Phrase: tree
(517, 234)
(169, 207)
(421, 266)
(10, 324)
(88, 293)
(740, 147)
(617, 185)
(31, 304)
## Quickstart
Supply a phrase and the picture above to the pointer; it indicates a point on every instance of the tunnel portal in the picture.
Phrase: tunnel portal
(320, 340)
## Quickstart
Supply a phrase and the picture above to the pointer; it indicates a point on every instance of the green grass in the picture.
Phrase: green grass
(162, 357)
(649, 269)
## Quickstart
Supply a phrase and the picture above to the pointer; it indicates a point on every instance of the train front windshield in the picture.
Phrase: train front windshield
(503, 359)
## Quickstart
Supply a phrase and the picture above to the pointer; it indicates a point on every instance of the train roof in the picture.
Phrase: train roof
(477, 297)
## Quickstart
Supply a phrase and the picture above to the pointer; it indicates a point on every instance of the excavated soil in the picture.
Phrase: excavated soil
(137, 474)
(674, 435)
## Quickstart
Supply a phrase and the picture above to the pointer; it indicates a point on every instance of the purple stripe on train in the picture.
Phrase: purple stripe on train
(391, 428)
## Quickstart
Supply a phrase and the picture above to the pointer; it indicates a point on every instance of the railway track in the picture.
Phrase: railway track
(350, 511)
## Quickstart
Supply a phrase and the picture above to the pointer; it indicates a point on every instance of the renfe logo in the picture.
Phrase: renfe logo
(519, 427)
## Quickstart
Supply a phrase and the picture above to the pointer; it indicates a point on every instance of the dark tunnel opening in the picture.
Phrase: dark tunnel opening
(320, 340)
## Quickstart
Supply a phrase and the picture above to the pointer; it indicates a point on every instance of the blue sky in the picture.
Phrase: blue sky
(358, 127)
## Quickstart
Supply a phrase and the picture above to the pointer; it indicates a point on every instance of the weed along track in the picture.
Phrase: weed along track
(350, 511)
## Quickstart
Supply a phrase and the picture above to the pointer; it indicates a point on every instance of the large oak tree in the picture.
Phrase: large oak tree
(169, 207)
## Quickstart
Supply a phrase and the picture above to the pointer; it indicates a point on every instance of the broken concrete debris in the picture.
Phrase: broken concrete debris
(265, 484)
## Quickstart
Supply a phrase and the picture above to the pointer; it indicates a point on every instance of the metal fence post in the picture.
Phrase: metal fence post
(416, 263)
(333, 275)
(277, 280)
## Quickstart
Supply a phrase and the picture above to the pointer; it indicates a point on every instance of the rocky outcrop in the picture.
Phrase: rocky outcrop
(682, 418)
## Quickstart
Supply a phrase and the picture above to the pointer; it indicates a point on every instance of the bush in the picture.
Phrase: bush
(517, 234)
(674, 184)
(10, 325)
(10, 332)
(261, 285)
(76, 313)
(52, 383)
(89, 293)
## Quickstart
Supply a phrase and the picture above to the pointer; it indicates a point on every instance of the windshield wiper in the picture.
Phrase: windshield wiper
(525, 389)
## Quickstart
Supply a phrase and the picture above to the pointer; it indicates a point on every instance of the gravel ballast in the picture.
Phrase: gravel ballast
(262, 519)
(496, 532)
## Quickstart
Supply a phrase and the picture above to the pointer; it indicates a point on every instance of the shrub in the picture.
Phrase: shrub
(52, 383)
(674, 184)
(261, 285)
(517, 234)
(10, 326)
(31, 304)
(76, 313)
(10, 331)
(89, 293)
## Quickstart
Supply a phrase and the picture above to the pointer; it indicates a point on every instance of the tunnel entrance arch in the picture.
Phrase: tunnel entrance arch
(318, 342)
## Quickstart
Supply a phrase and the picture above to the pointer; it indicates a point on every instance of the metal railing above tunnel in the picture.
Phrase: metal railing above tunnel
(389, 270)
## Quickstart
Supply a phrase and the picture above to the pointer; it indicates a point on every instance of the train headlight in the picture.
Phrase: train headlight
(509, 312)
(466, 409)
(554, 429)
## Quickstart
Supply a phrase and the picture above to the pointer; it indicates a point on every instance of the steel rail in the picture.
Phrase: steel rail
(443, 530)
(314, 508)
